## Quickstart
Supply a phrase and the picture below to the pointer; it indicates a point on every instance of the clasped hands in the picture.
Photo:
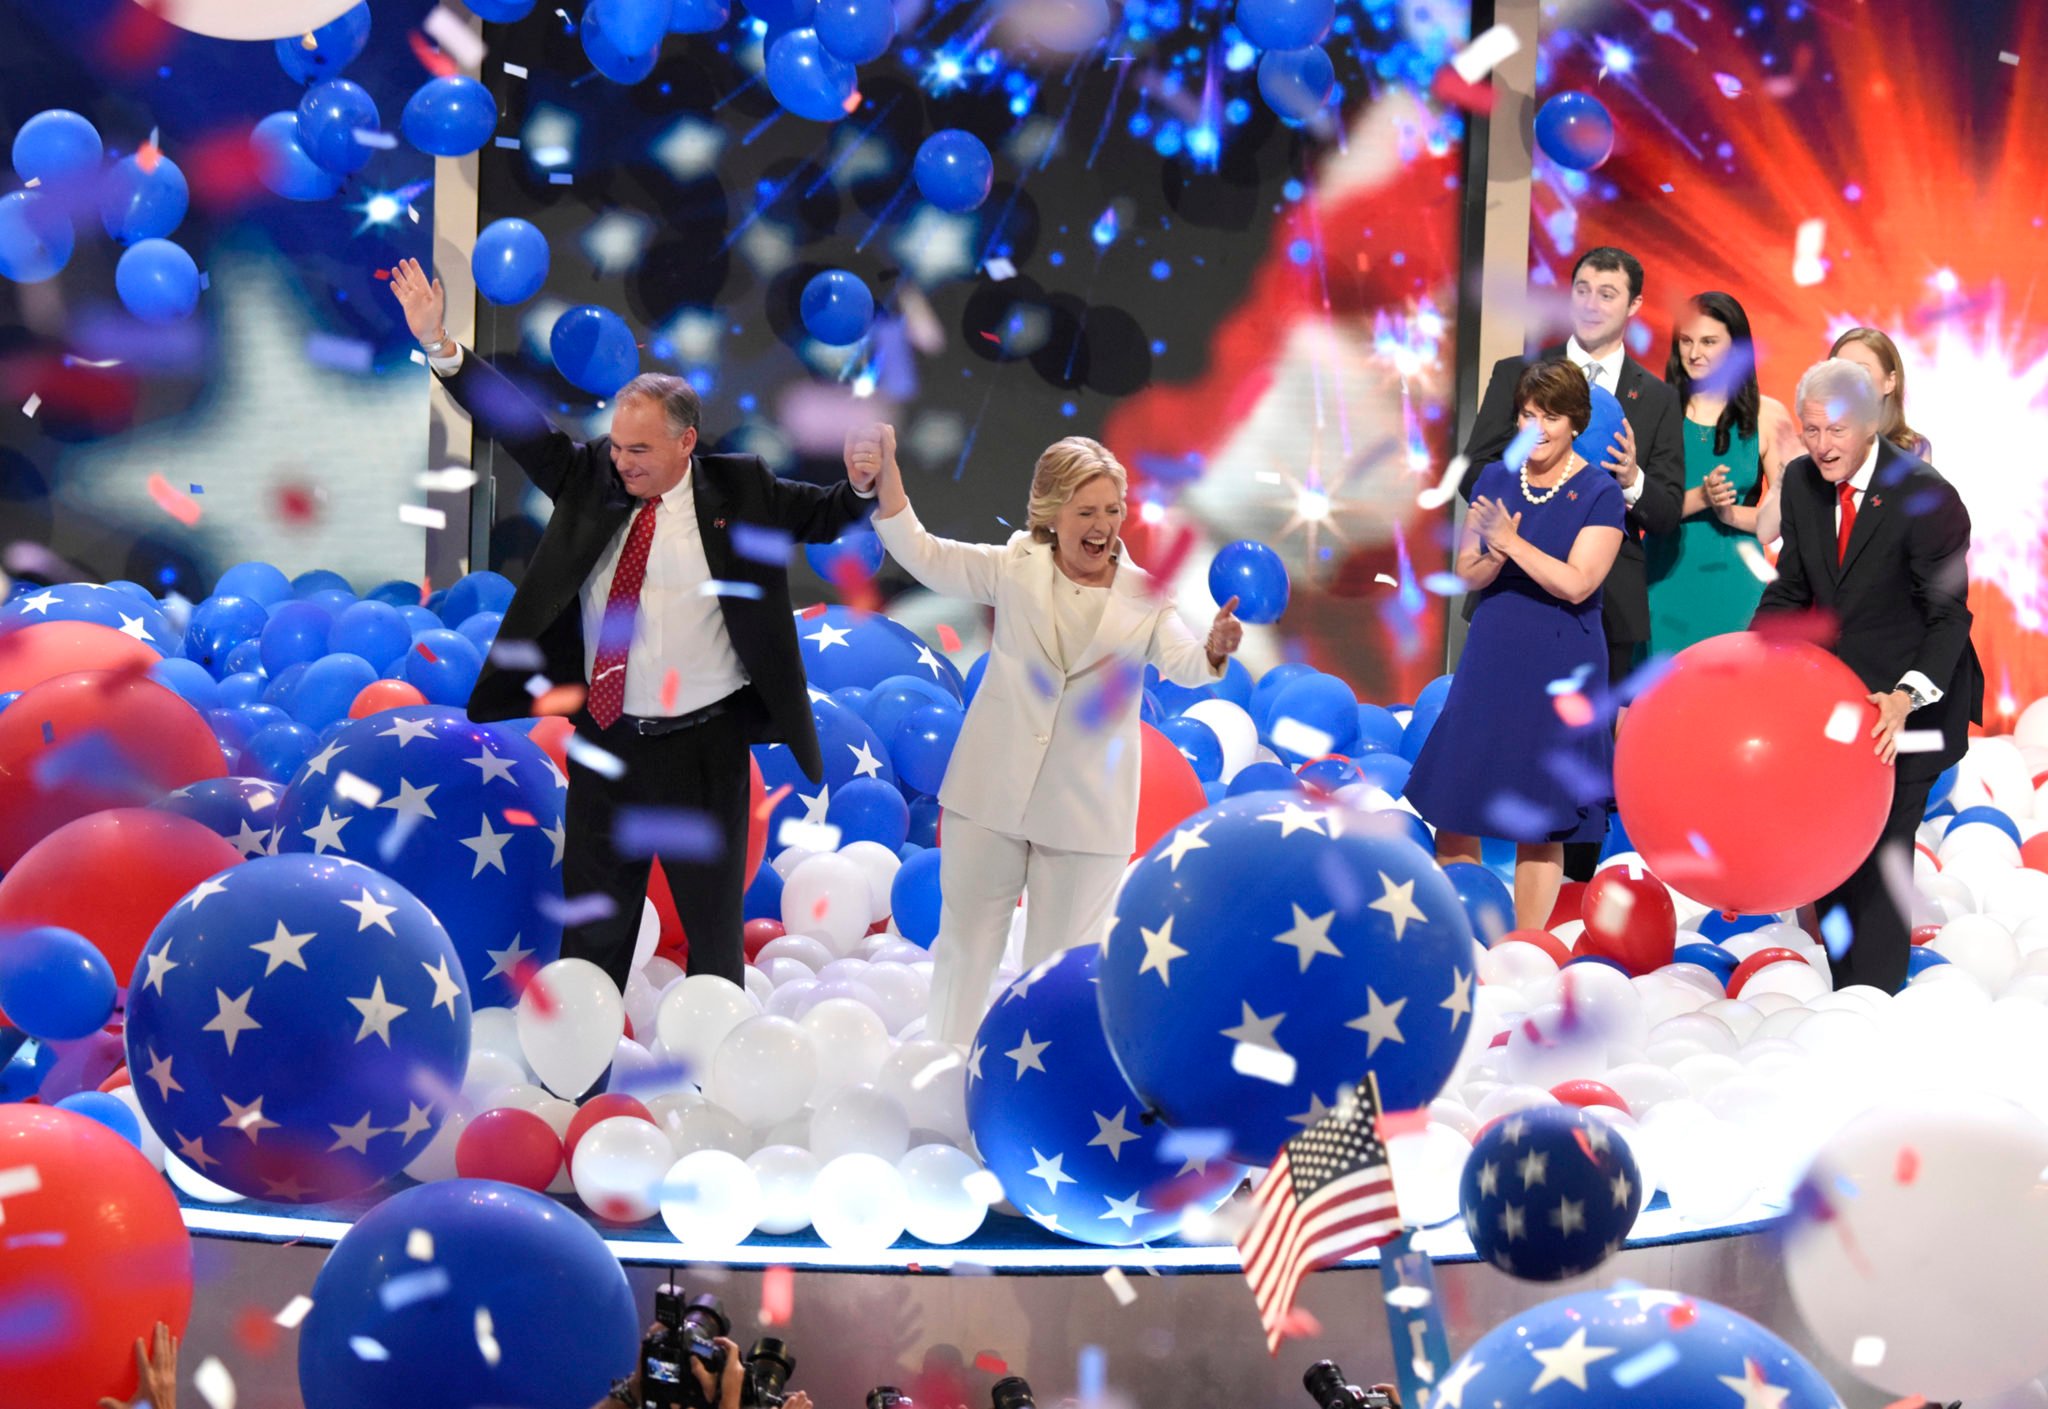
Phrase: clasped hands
(870, 452)
(1499, 528)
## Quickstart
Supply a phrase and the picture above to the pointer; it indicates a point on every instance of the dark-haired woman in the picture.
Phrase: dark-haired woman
(1700, 584)
(1519, 752)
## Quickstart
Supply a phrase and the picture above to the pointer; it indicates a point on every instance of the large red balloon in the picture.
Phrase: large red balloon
(552, 733)
(380, 695)
(82, 743)
(2034, 852)
(512, 1145)
(96, 1255)
(29, 655)
(1746, 776)
(150, 856)
(1629, 919)
(1168, 791)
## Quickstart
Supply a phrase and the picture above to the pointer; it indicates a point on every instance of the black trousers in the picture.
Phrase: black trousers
(702, 769)
(1880, 937)
(1582, 858)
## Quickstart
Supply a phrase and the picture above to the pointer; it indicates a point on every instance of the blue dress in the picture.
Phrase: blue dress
(1502, 760)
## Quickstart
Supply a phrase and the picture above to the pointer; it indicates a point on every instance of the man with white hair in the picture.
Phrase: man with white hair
(1878, 541)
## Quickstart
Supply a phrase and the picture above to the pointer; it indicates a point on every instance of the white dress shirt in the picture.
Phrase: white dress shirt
(1606, 372)
(1860, 484)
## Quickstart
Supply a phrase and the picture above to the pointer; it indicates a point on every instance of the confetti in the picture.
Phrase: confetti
(1408, 1298)
(519, 817)
(1836, 932)
(1448, 86)
(681, 833)
(1574, 709)
(1120, 1286)
(32, 405)
(174, 501)
(605, 765)
(1290, 735)
(340, 354)
(360, 791)
(215, 1385)
(1486, 52)
(746, 591)
(420, 516)
(1808, 268)
(811, 836)
(991, 1363)
(1446, 488)
(419, 1245)
(486, 1336)
(372, 137)
(516, 70)
(294, 1312)
(453, 480)
(1917, 741)
(768, 804)
(1729, 84)
(758, 544)
(2007, 57)
(1262, 1063)
(577, 910)
(949, 640)
(431, 59)
(560, 699)
(1867, 1352)
(671, 682)
(999, 269)
(1760, 567)
(457, 40)
(778, 1296)
(1844, 723)
(367, 1349)
(1517, 453)
(1907, 1170)
(1646, 1366)
(21, 1179)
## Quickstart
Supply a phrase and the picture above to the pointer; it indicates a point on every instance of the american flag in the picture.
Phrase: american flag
(1329, 1194)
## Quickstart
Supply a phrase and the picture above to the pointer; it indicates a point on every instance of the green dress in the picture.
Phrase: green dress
(1699, 585)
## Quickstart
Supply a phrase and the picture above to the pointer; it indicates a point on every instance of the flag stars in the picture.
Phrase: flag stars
(1534, 1168)
(1027, 1055)
(827, 636)
(132, 626)
(507, 960)
(355, 1137)
(417, 1122)
(1622, 1189)
(1489, 1179)
(406, 730)
(369, 911)
(1126, 1210)
(1567, 1363)
(816, 804)
(1185, 840)
(160, 963)
(412, 801)
(493, 768)
(1459, 1004)
(1569, 1216)
(193, 1152)
(446, 989)
(865, 764)
(1310, 936)
(319, 761)
(378, 1013)
(558, 838)
(1397, 902)
(1514, 1222)
(974, 1061)
(160, 1072)
(249, 1119)
(204, 889)
(1255, 1030)
(249, 841)
(1293, 817)
(1757, 1391)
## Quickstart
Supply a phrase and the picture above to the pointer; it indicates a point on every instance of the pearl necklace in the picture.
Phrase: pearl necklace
(1532, 496)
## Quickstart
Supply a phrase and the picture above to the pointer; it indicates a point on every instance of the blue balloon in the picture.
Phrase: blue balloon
(763, 900)
(1058, 1124)
(445, 785)
(1920, 958)
(334, 47)
(1284, 930)
(277, 751)
(636, 26)
(1236, 684)
(395, 593)
(1398, 821)
(510, 261)
(1175, 699)
(1702, 1352)
(1285, 24)
(283, 165)
(611, 58)
(189, 680)
(1984, 815)
(1309, 710)
(698, 16)
(1595, 444)
(1253, 573)
(418, 619)
(89, 601)
(109, 1111)
(57, 148)
(243, 810)
(954, 170)
(922, 745)
(367, 1293)
(1327, 775)
(54, 984)
(868, 809)
(780, 15)
(1297, 83)
(1944, 784)
(133, 589)
(594, 349)
(260, 582)
(807, 80)
(857, 552)
(1197, 743)
(1488, 903)
(915, 898)
(1264, 778)
(502, 11)
(855, 31)
(245, 658)
(373, 630)
(217, 626)
(1711, 957)
(851, 748)
(1428, 705)
(844, 647)
(1550, 1193)
(314, 581)
(482, 591)
(35, 237)
(1378, 729)
(924, 821)
(974, 675)
(443, 665)
(450, 116)
(279, 688)
(1215, 792)
(1267, 691)
(138, 204)
(329, 686)
(157, 281)
(330, 115)
(837, 307)
(854, 698)
(296, 631)
(481, 630)
(1575, 130)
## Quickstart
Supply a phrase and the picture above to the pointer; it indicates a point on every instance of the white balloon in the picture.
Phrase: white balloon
(191, 1182)
(237, 19)
(152, 1143)
(649, 937)
(662, 972)
(785, 1174)
(782, 969)
(765, 1070)
(1506, 1100)
(570, 1020)
(899, 994)
(630, 1064)
(495, 1030)
(788, 859)
(757, 986)
(710, 1126)
(859, 1119)
(793, 999)
(852, 1043)
(521, 1096)
(1996, 765)
(559, 1115)
(1800, 980)
(859, 1204)
(878, 864)
(1711, 1033)
(942, 1209)
(1515, 964)
(1644, 1085)
(710, 1201)
(1426, 1166)
(811, 953)
(642, 1000)
(1234, 729)
(828, 897)
(929, 1080)
(1981, 947)
(618, 1167)
(697, 1013)
(1740, 1017)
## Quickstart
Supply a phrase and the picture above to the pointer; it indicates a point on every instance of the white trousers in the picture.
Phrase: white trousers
(981, 874)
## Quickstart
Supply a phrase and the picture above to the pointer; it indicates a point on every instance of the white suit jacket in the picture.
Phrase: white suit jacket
(1050, 754)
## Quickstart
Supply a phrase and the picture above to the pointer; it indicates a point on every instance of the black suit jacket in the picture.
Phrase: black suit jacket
(1654, 413)
(1901, 596)
(591, 505)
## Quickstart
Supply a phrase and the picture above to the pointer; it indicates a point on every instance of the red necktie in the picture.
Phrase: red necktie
(615, 636)
(1845, 495)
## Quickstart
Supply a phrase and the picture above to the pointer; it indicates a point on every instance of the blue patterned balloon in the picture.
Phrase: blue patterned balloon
(851, 748)
(1631, 1347)
(88, 601)
(1056, 1122)
(296, 1026)
(1550, 1193)
(1273, 949)
(466, 816)
(244, 810)
(842, 646)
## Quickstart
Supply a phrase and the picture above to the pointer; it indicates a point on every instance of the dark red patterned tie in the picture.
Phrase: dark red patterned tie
(615, 636)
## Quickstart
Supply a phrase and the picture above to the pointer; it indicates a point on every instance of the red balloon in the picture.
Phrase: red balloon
(380, 695)
(757, 818)
(1543, 939)
(674, 944)
(1168, 791)
(116, 1079)
(1629, 919)
(1583, 1093)
(758, 933)
(1763, 958)
(96, 1256)
(1739, 732)
(1923, 934)
(2034, 852)
(81, 743)
(29, 655)
(595, 1109)
(512, 1145)
(157, 856)
(552, 733)
(1570, 896)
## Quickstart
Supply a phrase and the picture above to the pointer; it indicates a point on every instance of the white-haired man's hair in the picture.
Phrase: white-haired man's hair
(1844, 388)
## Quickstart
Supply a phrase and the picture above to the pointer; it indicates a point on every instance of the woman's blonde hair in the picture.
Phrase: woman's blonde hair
(1065, 466)
(1893, 427)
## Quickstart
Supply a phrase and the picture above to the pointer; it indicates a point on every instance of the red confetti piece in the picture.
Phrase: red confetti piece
(525, 978)
(518, 817)
(991, 1363)
(778, 1296)
(949, 639)
(173, 500)
(257, 1331)
(1574, 709)
(1447, 87)
(1908, 1168)
(382, 274)
(772, 801)
(421, 647)
(816, 609)
(820, 906)
(222, 170)
(135, 37)
(1393, 1123)
(1680, 1316)
(295, 503)
(561, 699)
(670, 684)
(431, 59)
(856, 588)
(147, 157)
(1301, 1324)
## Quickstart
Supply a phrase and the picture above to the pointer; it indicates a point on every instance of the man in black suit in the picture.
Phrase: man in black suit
(1648, 456)
(660, 584)
(1880, 542)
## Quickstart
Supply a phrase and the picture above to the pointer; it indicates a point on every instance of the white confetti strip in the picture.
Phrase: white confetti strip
(486, 1337)
(1918, 741)
(1868, 1351)
(418, 356)
(367, 1349)
(1262, 1063)
(811, 836)
(1407, 1298)
(376, 137)
(999, 269)
(453, 480)
(1485, 53)
(516, 70)
(1760, 567)
(360, 791)
(594, 758)
(420, 516)
(33, 404)
(1445, 489)
(1808, 268)
(1385, 579)
(457, 40)
(1120, 1286)
(1293, 736)
(984, 1185)
(21, 1179)
(419, 1245)
(294, 1312)
(1845, 723)
(2007, 57)
(215, 1385)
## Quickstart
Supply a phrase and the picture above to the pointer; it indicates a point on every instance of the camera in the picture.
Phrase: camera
(1327, 1386)
(1011, 1393)
(686, 1331)
(888, 1397)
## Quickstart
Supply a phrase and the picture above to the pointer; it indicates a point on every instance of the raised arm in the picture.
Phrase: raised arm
(952, 569)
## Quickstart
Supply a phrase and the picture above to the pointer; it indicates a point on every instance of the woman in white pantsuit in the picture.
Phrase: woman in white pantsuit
(1042, 793)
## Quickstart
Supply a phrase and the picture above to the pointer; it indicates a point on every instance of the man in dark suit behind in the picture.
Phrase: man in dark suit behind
(1648, 457)
(659, 585)
(1880, 542)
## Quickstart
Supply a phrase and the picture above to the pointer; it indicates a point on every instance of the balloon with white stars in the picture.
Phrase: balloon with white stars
(1549, 1193)
(244, 810)
(467, 816)
(844, 646)
(1272, 949)
(89, 601)
(1055, 1121)
(296, 1026)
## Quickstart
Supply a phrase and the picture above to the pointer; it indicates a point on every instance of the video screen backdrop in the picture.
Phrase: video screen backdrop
(1255, 317)
(1911, 132)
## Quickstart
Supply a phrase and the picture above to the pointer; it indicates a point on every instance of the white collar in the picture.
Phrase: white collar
(679, 495)
(1860, 481)
(1610, 365)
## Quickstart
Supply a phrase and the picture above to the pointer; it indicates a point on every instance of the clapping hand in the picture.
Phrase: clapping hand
(424, 300)
(1621, 455)
(1719, 491)
(1496, 525)
(1226, 634)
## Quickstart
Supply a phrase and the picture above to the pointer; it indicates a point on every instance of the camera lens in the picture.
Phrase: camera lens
(769, 1366)
(1326, 1384)
(887, 1397)
(1012, 1393)
(707, 1314)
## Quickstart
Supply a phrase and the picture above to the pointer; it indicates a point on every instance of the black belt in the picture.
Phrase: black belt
(675, 723)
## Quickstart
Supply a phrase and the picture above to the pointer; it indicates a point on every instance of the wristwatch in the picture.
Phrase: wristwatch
(1919, 700)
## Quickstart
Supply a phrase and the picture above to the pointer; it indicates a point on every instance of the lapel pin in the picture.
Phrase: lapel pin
(1877, 501)
(718, 523)
(1632, 393)
(1571, 494)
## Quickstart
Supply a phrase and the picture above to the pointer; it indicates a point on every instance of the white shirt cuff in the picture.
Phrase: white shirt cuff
(445, 365)
(1921, 686)
(870, 492)
(1632, 492)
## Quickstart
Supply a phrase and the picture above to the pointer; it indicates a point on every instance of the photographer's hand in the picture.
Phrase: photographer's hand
(727, 1390)
(797, 1400)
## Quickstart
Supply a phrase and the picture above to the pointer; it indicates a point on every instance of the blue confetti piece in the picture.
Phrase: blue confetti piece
(1513, 815)
(195, 489)
(759, 544)
(1646, 1366)
(1699, 846)
(1193, 1143)
(339, 354)
(49, 733)
(516, 655)
(659, 1077)
(1091, 1374)
(746, 590)
(1836, 932)
(560, 178)
(1572, 683)
(408, 1287)
(1444, 584)
(577, 910)
(677, 832)
(1517, 453)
